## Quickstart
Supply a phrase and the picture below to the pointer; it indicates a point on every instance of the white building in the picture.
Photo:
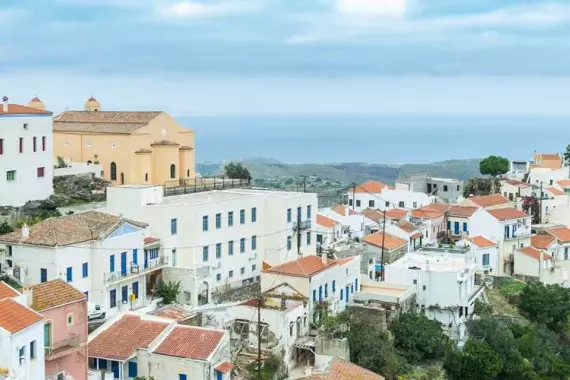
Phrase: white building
(485, 252)
(99, 254)
(459, 220)
(510, 228)
(536, 263)
(353, 224)
(449, 190)
(21, 338)
(513, 189)
(446, 289)
(328, 231)
(26, 151)
(553, 197)
(518, 169)
(158, 347)
(488, 202)
(432, 220)
(319, 279)
(376, 195)
(547, 176)
(219, 239)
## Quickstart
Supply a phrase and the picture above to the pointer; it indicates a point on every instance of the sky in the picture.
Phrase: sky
(225, 57)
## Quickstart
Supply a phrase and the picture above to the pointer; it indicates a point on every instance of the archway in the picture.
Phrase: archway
(113, 171)
(172, 171)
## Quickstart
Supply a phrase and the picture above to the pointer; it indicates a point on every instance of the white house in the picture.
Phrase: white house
(546, 243)
(513, 189)
(26, 150)
(377, 195)
(533, 262)
(447, 189)
(406, 230)
(352, 223)
(385, 247)
(510, 228)
(553, 197)
(433, 218)
(484, 251)
(562, 236)
(547, 176)
(21, 338)
(488, 202)
(459, 219)
(446, 289)
(219, 239)
(100, 254)
(320, 279)
(158, 347)
(327, 230)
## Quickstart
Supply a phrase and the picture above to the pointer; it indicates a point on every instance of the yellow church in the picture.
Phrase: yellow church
(147, 147)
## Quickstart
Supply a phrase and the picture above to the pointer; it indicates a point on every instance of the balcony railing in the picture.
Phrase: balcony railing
(72, 341)
(305, 224)
(135, 269)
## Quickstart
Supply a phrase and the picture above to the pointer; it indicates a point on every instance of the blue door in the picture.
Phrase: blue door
(145, 259)
(125, 294)
(112, 264)
(347, 293)
(115, 369)
(219, 375)
(124, 263)
(135, 256)
(456, 228)
(136, 290)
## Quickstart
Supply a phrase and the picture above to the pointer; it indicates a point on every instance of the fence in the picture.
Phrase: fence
(195, 185)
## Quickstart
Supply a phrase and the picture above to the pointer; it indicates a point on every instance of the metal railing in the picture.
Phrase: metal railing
(234, 284)
(71, 341)
(304, 224)
(200, 184)
(135, 269)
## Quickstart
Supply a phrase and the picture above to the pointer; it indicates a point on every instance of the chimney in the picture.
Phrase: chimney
(283, 301)
(5, 104)
(325, 258)
(25, 231)
(346, 211)
(29, 295)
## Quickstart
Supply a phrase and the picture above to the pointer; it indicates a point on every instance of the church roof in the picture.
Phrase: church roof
(103, 121)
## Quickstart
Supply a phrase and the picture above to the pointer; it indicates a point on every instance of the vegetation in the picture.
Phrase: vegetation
(480, 186)
(5, 228)
(169, 291)
(530, 206)
(42, 215)
(237, 171)
(566, 155)
(272, 368)
(547, 304)
(60, 163)
(494, 166)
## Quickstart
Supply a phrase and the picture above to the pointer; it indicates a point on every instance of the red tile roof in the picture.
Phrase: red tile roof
(190, 342)
(489, 200)
(507, 213)
(15, 317)
(564, 182)
(374, 187)
(426, 213)
(122, 338)
(150, 239)
(534, 253)
(555, 190)
(461, 211)
(375, 215)
(343, 370)
(407, 226)
(304, 267)
(48, 295)
(522, 185)
(482, 242)
(417, 235)
(16, 109)
(438, 206)
(560, 233)
(224, 367)
(340, 209)
(391, 242)
(396, 213)
(326, 222)
(548, 156)
(542, 241)
(6, 291)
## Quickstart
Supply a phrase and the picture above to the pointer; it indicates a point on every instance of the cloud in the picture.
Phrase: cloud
(191, 9)
(372, 8)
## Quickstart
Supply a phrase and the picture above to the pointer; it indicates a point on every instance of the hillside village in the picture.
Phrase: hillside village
(175, 276)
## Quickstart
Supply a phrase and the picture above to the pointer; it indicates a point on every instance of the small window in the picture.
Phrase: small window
(289, 213)
(11, 175)
(309, 212)
(387, 204)
(254, 214)
(230, 248)
(415, 204)
(218, 221)
(231, 274)
(230, 219)
(21, 148)
(172, 171)
(241, 216)
(205, 223)
(401, 204)
(423, 287)
(69, 274)
(357, 203)
(415, 282)
(218, 250)
(33, 353)
(350, 202)
(371, 203)
(85, 270)
(309, 238)
(173, 226)
(26, 127)
(253, 243)
(1, 146)
(41, 172)
(70, 319)
(146, 177)
(242, 270)
(43, 143)
(34, 143)
(205, 253)
(242, 245)
(218, 277)
(444, 188)
(289, 243)
(253, 267)
(89, 143)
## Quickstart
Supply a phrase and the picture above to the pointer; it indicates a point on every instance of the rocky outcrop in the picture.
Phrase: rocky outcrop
(82, 187)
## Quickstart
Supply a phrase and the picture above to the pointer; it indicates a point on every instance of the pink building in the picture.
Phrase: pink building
(65, 332)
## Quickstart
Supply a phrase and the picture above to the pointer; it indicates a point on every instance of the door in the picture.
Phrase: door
(145, 259)
(115, 369)
(125, 294)
(47, 334)
(456, 228)
(136, 289)
(123, 263)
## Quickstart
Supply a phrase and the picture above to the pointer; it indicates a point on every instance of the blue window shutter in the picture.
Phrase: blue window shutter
(135, 256)
(69, 274)
(182, 377)
(341, 294)
(133, 369)
(112, 263)
(43, 275)
(85, 270)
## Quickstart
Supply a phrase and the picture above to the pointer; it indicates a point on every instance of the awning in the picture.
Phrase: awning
(224, 367)
(306, 343)
(378, 266)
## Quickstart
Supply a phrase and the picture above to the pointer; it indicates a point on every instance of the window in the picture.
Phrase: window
(70, 319)
(448, 225)
(89, 143)
(172, 171)
(464, 226)
(288, 243)
(326, 290)
(231, 248)
(112, 263)
(415, 205)
(314, 295)
(113, 298)
(253, 243)
(387, 204)
(22, 352)
(350, 202)
(218, 221)
(218, 251)
(85, 270)
(41, 172)
(415, 282)
(242, 245)
(205, 223)
(146, 177)
(254, 215)
(288, 215)
(320, 293)
(444, 188)
(341, 294)
(231, 274)
(182, 377)
(34, 144)
(133, 370)
(33, 352)
(113, 171)
(43, 275)
(485, 259)
(205, 253)
(230, 218)
(565, 253)
(253, 267)
(507, 232)
(21, 150)
(1, 146)
(401, 204)
(11, 175)
(308, 238)
(423, 287)
(460, 312)
(218, 277)
(173, 226)
(309, 212)
(291, 329)
(242, 270)
(371, 203)
(241, 216)
(69, 274)
(358, 203)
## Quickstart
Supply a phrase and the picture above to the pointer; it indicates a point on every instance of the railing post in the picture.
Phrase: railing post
(195, 183)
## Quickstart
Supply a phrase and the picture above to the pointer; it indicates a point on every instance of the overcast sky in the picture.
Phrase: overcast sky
(219, 57)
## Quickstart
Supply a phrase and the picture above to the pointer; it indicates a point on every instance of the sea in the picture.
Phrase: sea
(393, 139)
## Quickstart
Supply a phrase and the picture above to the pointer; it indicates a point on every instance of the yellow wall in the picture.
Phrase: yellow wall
(120, 148)
(142, 166)
(162, 158)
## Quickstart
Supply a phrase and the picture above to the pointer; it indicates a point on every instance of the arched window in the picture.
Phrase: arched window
(113, 171)
(146, 177)
(122, 178)
(188, 173)
(172, 171)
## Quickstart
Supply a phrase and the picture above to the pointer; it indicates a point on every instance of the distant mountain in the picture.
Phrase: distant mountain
(346, 173)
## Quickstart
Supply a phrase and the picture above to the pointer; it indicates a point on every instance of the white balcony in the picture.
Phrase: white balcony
(136, 269)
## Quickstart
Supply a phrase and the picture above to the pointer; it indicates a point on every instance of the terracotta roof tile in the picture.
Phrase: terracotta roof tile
(122, 338)
(340, 209)
(224, 367)
(555, 190)
(151, 239)
(16, 109)
(102, 121)
(489, 200)
(482, 242)
(507, 213)
(417, 235)
(6, 291)
(541, 241)
(461, 211)
(564, 183)
(164, 143)
(174, 312)
(326, 222)
(407, 226)
(143, 151)
(396, 213)
(190, 342)
(69, 229)
(391, 242)
(560, 233)
(426, 213)
(15, 317)
(185, 147)
(343, 370)
(48, 295)
(548, 156)
(304, 267)
(373, 187)
(438, 206)
(522, 185)
(534, 253)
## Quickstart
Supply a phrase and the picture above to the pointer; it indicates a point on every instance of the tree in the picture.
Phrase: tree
(530, 206)
(479, 186)
(418, 338)
(547, 304)
(5, 228)
(169, 291)
(567, 155)
(237, 171)
(478, 361)
(541, 347)
(494, 166)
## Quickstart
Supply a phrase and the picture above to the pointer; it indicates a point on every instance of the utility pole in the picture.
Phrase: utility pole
(383, 239)
(540, 211)
(353, 194)
(259, 300)
(304, 183)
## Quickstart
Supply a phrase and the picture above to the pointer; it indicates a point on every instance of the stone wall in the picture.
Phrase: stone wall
(337, 348)
(243, 293)
(379, 314)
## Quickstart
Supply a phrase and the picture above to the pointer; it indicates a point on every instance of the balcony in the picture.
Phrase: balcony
(136, 269)
(62, 347)
(201, 272)
(305, 224)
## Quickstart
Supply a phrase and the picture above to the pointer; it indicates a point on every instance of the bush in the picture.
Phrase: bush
(169, 291)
